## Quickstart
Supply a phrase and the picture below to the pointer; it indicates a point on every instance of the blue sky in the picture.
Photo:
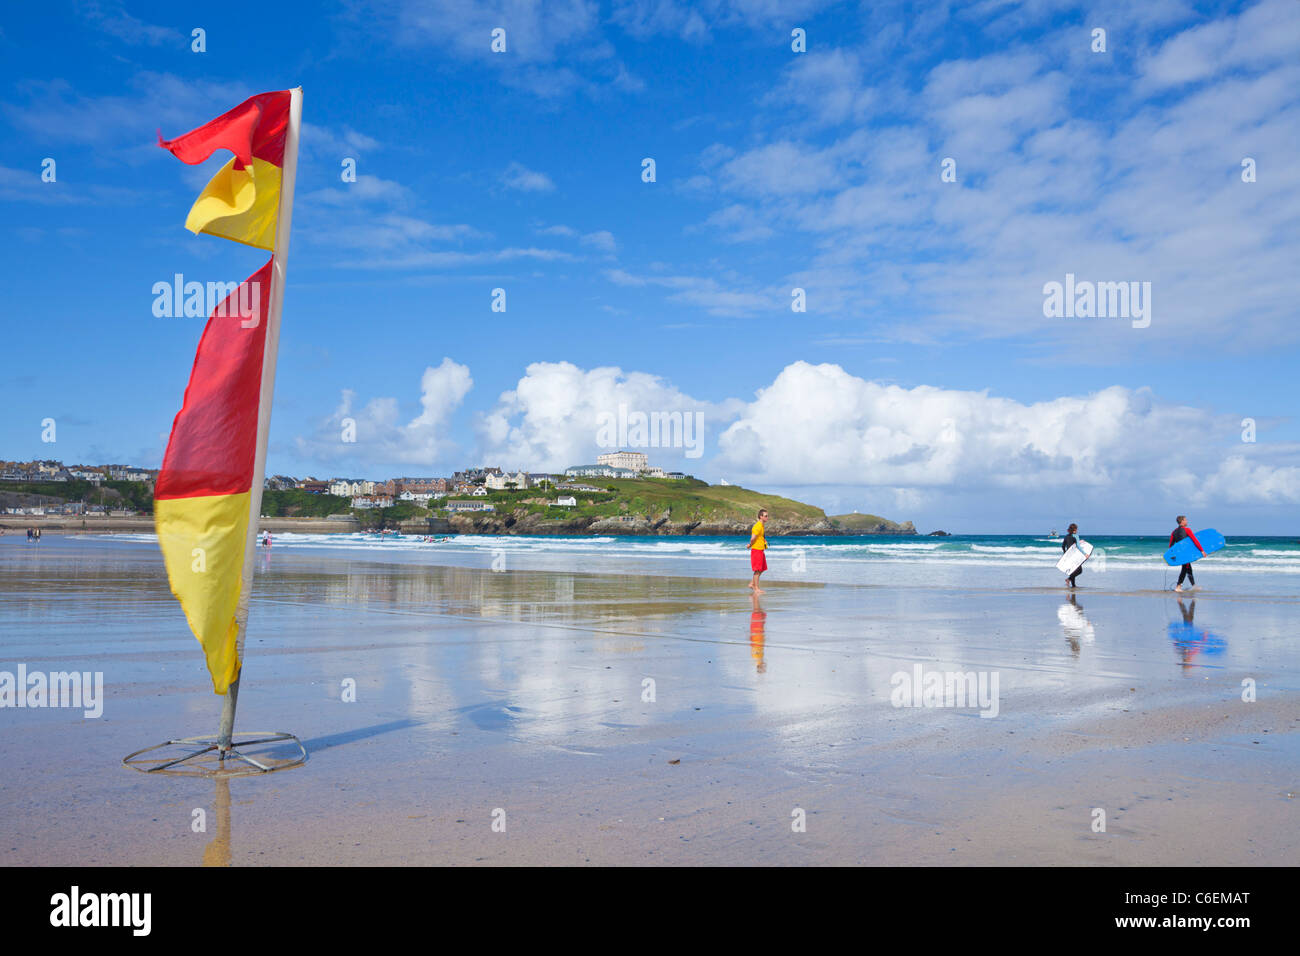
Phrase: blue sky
(924, 380)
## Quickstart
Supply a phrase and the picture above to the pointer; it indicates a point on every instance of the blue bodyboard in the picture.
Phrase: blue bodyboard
(1184, 552)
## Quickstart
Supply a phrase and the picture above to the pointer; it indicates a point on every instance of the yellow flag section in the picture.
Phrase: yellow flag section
(202, 497)
(240, 204)
(202, 541)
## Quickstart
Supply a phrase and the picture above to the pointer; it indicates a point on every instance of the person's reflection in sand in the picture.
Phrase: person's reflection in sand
(1185, 636)
(757, 637)
(1078, 630)
(217, 852)
(1191, 641)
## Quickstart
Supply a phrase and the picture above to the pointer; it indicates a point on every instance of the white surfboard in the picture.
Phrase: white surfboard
(1071, 560)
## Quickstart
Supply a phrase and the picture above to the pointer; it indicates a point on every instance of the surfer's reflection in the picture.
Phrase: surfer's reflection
(217, 852)
(1191, 641)
(757, 637)
(1078, 630)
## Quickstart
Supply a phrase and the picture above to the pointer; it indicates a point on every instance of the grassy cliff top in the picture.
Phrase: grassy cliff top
(863, 522)
(691, 499)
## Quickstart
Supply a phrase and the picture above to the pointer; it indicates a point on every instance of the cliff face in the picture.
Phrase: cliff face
(525, 523)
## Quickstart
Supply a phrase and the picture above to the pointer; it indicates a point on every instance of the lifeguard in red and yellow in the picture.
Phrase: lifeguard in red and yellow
(758, 551)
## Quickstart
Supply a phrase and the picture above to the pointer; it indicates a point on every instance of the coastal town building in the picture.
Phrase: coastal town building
(128, 473)
(574, 486)
(421, 497)
(470, 506)
(372, 501)
(345, 487)
(634, 461)
(598, 471)
(505, 480)
(420, 485)
(476, 476)
(92, 475)
(567, 502)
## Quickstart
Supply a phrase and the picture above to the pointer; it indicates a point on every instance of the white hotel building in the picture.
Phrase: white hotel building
(632, 460)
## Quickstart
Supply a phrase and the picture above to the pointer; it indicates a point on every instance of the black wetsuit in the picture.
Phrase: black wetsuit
(1068, 542)
(1186, 573)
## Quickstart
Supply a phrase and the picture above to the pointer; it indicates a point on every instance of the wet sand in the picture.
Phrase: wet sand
(523, 691)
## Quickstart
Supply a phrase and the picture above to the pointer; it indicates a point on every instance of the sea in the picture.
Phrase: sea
(1264, 566)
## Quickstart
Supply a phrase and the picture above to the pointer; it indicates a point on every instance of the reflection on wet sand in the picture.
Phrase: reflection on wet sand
(1078, 630)
(1191, 641)
(757, 635)
(217, 852)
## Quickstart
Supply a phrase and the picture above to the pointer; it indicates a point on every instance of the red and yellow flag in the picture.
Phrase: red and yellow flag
(240, 202)
(204, 497)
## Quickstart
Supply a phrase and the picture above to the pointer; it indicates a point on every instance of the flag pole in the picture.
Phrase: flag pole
(279, 258)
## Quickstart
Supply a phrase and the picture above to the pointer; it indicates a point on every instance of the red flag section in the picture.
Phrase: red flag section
(254, 128)
(214, 436)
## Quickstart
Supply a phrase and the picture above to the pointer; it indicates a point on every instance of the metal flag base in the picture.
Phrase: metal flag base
(207, 759)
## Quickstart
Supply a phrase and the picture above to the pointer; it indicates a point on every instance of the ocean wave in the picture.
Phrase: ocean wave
(1014, 549)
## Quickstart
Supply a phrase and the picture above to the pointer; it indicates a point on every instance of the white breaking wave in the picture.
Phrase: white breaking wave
(827, 553)
(1014, 549)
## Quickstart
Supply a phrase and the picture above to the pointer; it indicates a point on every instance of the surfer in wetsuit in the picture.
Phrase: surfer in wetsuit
(1068, 542)
(1182, 531)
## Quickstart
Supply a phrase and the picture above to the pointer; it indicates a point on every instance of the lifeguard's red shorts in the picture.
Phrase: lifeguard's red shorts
(757, 559)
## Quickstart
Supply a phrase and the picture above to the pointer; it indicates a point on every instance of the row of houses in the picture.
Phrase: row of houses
(49, 470)
(474, 482)
(462, 483)
(69, 508)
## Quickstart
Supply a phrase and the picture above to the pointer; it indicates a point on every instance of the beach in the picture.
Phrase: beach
(602, 707)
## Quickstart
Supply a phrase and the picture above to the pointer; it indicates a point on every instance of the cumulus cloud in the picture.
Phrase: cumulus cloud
(820, 425)
(379, 433)
(551, 419)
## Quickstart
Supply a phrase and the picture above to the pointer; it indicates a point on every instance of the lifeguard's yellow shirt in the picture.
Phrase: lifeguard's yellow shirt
(756, 532)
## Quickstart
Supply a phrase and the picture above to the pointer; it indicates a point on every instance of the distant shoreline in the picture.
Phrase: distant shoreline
(73, 524)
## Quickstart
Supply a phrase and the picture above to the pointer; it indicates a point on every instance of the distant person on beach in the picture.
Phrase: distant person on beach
(758, 550)
(1182, 531)
(1068, 542)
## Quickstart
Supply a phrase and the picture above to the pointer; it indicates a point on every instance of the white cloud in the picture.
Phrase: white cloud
(1259, 37)
(550, 419)
(518, 176)
(707, 292)
(1148, 189)
(115, 21)
(380, 435)
(826, 87)
(602, 240)
(820, 425)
